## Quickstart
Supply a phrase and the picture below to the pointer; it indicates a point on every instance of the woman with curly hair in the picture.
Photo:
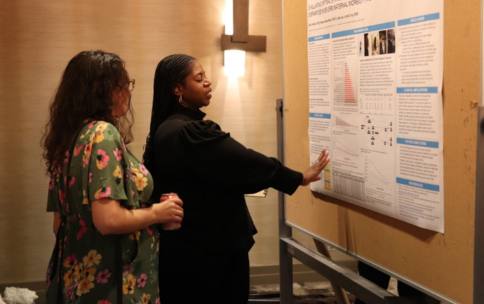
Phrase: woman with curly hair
(106, 250)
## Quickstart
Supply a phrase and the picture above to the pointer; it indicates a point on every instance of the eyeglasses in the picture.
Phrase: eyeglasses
(131, 84)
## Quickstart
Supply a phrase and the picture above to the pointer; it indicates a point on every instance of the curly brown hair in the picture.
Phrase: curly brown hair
(84, 94)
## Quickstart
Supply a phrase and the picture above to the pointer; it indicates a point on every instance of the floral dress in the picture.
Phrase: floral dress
(87, 267)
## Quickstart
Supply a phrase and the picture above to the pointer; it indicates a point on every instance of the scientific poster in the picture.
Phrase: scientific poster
(375, 102)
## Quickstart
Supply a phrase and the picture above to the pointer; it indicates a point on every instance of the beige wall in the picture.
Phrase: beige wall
(38, 37)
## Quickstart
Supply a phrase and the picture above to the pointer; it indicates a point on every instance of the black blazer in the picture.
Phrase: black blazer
(211, 172)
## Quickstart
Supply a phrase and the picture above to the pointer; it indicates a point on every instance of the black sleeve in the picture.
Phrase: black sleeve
(221, 160)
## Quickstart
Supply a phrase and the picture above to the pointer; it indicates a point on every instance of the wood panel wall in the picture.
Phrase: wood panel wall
(37, 38)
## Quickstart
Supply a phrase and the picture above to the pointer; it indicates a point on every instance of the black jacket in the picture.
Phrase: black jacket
(211, 172)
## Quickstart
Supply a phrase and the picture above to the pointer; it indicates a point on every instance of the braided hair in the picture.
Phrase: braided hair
(171, 71)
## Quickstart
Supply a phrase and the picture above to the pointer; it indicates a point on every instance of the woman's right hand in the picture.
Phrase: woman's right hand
(312, 174)
(169, 210)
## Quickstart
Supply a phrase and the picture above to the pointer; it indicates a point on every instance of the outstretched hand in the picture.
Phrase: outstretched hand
(312, 174)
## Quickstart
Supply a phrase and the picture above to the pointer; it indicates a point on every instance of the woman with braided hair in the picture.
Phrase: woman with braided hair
(206, 260)
(106, 250)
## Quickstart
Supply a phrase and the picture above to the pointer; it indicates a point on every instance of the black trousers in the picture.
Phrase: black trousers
(381, 279)
(196, 278)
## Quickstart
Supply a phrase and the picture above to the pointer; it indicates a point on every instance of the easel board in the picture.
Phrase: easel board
(441, 263)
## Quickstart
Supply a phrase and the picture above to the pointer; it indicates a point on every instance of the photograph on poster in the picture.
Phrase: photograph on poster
(377, 43)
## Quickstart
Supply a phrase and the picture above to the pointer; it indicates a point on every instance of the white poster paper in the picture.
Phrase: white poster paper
(375, 103)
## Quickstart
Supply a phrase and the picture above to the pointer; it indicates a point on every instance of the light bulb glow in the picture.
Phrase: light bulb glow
(234, 60)
(234, 63)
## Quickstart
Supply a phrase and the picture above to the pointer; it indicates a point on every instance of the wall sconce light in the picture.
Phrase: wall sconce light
(236, 39)
(240, 39)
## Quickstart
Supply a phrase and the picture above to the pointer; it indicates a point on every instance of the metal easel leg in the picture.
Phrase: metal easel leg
(285, 259)
(340, 294)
